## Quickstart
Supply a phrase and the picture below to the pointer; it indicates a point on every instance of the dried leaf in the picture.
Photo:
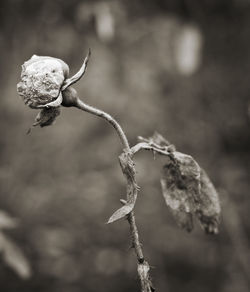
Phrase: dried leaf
(188, 191)
(121, 213)
(14, 257)
(208, 211)
(186, 187)
(181, 186)
(46, 117)
(68, 82)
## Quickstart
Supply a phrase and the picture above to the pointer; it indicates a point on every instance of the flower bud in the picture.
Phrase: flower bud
(41, 81)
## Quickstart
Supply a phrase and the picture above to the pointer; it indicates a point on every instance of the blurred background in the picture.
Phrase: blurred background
(180, 67)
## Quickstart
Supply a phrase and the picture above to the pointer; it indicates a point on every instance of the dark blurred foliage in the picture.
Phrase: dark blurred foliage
(180, 67)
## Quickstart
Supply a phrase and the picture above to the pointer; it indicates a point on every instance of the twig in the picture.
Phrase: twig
(166, 150)
(128, 170)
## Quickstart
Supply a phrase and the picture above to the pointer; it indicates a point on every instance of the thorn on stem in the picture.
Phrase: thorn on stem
(124, 202)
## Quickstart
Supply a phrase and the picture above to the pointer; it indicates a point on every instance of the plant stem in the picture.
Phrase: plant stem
(92, 110)
(143, 266)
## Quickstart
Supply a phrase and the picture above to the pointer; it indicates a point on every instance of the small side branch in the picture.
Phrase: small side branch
(164, 150)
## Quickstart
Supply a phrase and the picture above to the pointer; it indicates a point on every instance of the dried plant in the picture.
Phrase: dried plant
(187, 190)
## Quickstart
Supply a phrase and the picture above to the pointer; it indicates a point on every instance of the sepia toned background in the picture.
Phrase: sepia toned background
(180, 67)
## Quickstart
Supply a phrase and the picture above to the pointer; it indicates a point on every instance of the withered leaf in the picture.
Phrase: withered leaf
(121, 213)
(181, 186)
(186, 188)
(46, 117)
(68, 82)
(188, 191)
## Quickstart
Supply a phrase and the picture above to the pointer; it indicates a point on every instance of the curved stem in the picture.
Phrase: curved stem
(143, 266)
(90, 109)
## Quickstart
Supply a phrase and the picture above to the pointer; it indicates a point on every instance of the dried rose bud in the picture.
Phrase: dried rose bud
(45, 84)
(41, 81)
